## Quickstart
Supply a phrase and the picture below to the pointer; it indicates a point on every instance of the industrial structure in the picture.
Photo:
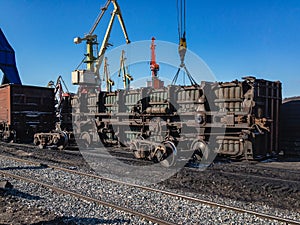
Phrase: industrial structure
(238, 119)
(165, 123)
(8, 62)
(90, 75)
(155, 82)
(24, 110)
(62, 135)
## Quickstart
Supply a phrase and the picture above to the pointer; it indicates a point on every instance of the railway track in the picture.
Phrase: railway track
(143, 188)
(123, 156)
(235, 170)
(86, 198)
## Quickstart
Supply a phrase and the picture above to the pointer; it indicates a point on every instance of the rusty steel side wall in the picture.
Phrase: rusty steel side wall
(5, 107)
(268, 100)
(254, 100)
(30, 109)
(290, 126)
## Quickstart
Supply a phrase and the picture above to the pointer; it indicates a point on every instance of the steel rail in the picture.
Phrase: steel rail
(189, 198)
(76, 153)
(89, 199)
(72, 152)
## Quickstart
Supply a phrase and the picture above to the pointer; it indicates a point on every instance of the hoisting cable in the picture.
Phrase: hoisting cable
(178, 19)
(181, 19)
(184, 17)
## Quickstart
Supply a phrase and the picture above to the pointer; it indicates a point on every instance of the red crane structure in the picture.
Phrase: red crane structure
(156, 82)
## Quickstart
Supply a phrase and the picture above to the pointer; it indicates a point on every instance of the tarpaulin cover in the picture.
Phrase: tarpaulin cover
(8, 62)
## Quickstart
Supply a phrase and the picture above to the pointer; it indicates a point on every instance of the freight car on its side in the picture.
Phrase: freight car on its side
(24, 111)
(237, 119)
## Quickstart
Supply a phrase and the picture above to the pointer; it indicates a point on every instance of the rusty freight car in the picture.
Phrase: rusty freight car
(290, 126)
(237, 119)
(25, 110)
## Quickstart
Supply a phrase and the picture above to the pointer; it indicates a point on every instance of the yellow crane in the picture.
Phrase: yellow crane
(106, 76)
(90, 75)
(124, 70)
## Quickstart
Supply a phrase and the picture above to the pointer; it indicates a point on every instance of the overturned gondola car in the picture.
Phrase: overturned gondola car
(237, 119)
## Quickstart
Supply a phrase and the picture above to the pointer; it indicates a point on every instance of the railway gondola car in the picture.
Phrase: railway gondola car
(25, 110)
(237, 119)
(290, 126)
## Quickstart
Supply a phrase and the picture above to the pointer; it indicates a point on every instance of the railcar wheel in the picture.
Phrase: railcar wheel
(41, 146)
(63, 142)
(85, 139)
(171, 151)
(9, 137)
(200, 150)
(60, 147)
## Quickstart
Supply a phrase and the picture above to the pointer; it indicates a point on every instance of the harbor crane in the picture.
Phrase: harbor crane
(106, 76)
(90, 75)
(124, 70)
(154, 66)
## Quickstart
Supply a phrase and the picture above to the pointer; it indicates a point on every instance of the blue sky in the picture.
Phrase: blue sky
(235, 38)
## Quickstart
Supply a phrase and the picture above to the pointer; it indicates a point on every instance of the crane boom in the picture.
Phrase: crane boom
(105, 44)
(103, 9)
(120, 17)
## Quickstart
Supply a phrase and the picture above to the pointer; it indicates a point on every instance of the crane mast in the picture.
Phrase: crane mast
(153, 65)
(90, 75)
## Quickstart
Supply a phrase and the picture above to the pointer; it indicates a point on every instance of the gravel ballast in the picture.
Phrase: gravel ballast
(173, 209)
